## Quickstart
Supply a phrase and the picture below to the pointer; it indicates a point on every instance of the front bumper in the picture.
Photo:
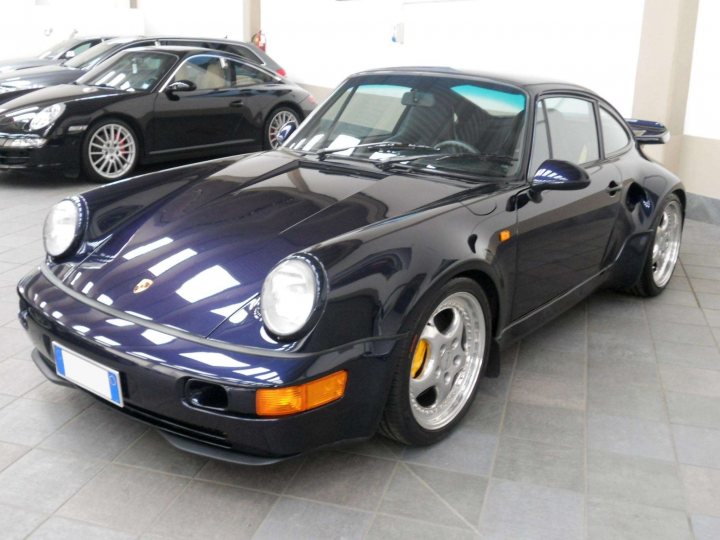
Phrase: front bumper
(157, 392)
(61, 152)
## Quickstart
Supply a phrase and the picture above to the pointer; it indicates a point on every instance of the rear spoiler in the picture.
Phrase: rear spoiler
(648, 132)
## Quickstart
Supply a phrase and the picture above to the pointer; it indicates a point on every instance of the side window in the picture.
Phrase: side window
(614, 135)
(541, 147)
(573, 133)
(80, 47)
(244, 75)
(207, 72)
(244, 52)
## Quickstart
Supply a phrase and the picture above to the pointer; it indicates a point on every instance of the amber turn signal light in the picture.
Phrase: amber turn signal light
(296, 399)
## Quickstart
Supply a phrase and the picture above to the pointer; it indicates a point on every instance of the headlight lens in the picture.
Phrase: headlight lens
(289, 296)
(61, 227)
(47, 116)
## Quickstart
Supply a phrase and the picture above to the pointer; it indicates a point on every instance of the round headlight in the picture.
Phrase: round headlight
(289, 296)
(61, 227)
(47, 116)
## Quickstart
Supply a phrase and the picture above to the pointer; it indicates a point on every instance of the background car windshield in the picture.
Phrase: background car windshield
(131, 71)
(438, 123)
(58, 49)
(87, 59)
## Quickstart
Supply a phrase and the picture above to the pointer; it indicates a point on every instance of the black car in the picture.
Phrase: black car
(363, 276)
(16, 83)
(147, 105)
(58, 53)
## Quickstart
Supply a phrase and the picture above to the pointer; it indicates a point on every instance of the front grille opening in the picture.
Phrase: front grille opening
(206, 395)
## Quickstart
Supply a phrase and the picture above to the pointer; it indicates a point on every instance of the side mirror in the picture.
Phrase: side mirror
(68, 55)
(285, 132)
(180, 86)
(559, 175)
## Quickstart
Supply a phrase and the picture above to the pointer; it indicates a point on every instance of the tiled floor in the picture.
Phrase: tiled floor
(605, 424)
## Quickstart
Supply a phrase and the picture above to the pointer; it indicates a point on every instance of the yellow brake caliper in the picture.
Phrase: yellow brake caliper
(419, 358)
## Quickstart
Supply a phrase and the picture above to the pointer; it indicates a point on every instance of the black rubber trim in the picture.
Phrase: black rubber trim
(47, 371)
(221, 454)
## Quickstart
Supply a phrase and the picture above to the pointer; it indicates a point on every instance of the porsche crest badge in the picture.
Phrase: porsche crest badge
(142, 286)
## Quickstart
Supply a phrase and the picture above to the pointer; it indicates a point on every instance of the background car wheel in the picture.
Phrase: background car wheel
(439, 365)
(663, 255)
(276, 120)
(110, 151)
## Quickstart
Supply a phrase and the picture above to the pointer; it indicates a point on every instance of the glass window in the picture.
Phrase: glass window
(206, 72)
(243, 75)
(573, 133)
(131, 71)
(241, 51)
(614, 135)
(541, 148)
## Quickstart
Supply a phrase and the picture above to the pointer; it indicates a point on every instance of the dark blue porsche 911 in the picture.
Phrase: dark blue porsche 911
(362, 277)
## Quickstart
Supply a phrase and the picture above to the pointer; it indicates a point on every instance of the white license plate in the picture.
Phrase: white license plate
(88, 374)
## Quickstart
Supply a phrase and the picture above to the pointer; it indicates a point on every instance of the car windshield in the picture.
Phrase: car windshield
(130, 71)
(56, 50)
(90, 57)
(437, 124)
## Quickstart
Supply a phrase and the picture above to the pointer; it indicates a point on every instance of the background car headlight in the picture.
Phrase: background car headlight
(290, 296)
(61, 227)
(47, 116)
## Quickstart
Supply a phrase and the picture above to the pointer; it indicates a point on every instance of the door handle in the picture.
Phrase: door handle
(236, 103)
(613, 188)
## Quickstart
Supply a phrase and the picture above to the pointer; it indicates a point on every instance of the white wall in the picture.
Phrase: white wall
(595, 44)
(702, 117)
(201, 18)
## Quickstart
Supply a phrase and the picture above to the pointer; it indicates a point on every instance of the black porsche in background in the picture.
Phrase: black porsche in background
(58, 53)
(148, 105)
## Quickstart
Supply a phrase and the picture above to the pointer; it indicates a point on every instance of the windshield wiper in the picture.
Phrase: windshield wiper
(441, 156)
(323, 152)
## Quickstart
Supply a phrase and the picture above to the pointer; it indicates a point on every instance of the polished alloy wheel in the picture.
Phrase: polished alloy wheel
(447, 361)
(667, 243)
(276, 123)
(112, 151)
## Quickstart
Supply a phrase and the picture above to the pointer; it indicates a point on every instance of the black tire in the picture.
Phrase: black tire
(647, 286)
(399, 422)
(275, 120)
(126, 151)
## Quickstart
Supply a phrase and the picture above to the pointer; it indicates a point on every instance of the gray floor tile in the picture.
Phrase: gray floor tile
(540, 463)
(42, 480)
(616, 306)
(622, 372)
(679, 283)
(26, 421)
(676, 298)
(703, 382)
(705, 285)
(621, 329)
(709, 300)
(123, 498)
(408, 496)
(6, 400)
(55, 393)
(681, 333)
(341, 478)
(702, 490)
(667, 312)
(548, 390)
(378, 446)
(616, 477)
(552, 425)
(630, 436)
(693, 410)
(226, 511)
(273, 478)
(602, 347)
(152, 451)
(16, 524)
(702, 272)
(307, 520)
(696, 356)
(465, 450)
(706, 527)
(10, 453)
(712, 316)
(520, 510)
(497, 387)
(635, 521)
(697, 446)
(397, 528)
(550, 362)
(59, 528)
(631, 400)
(14, 342)
(96, 433)
(485, 415)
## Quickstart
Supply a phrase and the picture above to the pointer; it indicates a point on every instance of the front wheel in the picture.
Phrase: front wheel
(662, 258)
(110, 151)
(438, 368)
(276, 120)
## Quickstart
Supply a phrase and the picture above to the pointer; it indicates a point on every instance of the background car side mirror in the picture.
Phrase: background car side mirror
(559, 175)
(180, 86)
(68, 55)
(285, 132)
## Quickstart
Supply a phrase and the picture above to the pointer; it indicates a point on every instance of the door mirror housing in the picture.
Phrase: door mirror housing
(68, 55)
(554, 174)
(180, 86)
(285, 132)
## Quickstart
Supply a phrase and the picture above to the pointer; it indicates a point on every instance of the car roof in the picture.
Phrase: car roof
(529, 83)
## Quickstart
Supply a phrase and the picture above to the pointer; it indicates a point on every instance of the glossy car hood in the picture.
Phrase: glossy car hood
(208, 248)
(41, 75)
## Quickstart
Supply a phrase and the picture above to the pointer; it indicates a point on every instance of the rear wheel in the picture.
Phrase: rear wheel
(110, 151)
(438, 368)
(275, 121)
(663, 256)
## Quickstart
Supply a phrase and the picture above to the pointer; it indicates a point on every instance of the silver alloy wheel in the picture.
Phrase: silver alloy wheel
(112, 151)
(667, 243)
(454, 345)
(278, 120)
